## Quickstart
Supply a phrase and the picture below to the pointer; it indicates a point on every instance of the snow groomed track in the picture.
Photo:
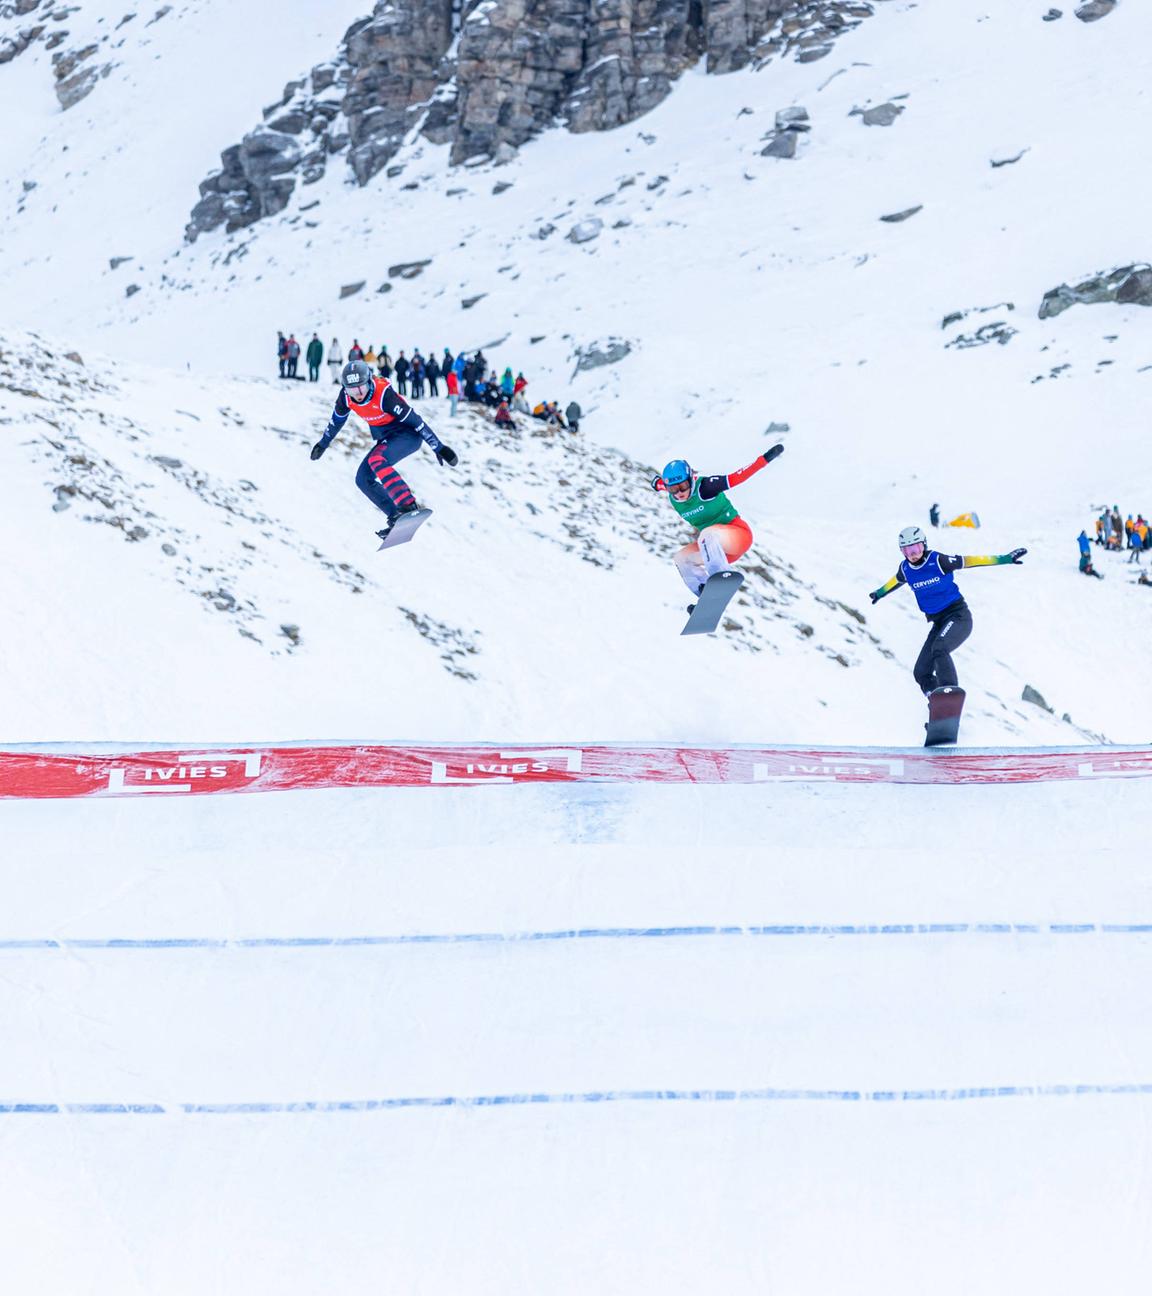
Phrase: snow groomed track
(609, 1025)
(93, 770)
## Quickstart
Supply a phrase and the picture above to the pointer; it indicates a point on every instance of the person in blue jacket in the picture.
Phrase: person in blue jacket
(930, 576)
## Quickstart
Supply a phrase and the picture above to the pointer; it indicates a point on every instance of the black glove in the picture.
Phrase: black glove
(446, 455)
(1017, 554)
(319, 448)
(774, 453)
(875, 597)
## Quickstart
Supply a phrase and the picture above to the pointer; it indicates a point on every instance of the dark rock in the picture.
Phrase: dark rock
(1129, 285)
(115, 263)
(881, 115)
(166, 461)
(1007, 161)
(469, 302)
(586, 230)
(894, 218)
(544, 231)
(605, 352)
(131, 290)
(793, 119)
(516, 68)
(1031, 695)
(384, 287)
(169, 549)
(408, 269)
(1052, 15)
(780, 145)
(350, 290)
(501, 186)
(1095, 9)
(995, 331)
(74, 356)
(291, 632)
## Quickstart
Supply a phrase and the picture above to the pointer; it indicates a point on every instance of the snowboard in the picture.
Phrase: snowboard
(944, 707)
(714, 598)
(406, 527)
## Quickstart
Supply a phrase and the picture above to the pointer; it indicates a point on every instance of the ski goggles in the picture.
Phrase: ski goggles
(678, 488)
(359, 393)
(914, 551)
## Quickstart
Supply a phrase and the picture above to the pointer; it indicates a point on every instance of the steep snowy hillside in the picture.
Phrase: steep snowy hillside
(746, 290)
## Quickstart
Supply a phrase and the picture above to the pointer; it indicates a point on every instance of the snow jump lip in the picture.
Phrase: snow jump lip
(56, 771)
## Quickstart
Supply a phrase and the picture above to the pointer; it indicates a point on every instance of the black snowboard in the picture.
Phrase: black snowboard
(405, 528)
(944, 707)
(714, 598)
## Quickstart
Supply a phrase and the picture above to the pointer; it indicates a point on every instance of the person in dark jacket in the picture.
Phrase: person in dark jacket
(417, 375)
(403, 367)
(355, 351)
(446, 362)
(503, 415)
(398, 431)
(384, 362)
(573, 414)
(315, 357)
(282, 354)
(432, 373)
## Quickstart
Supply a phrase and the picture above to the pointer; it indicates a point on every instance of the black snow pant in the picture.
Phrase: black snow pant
(950, 628)
(377, 476)
(313, 373)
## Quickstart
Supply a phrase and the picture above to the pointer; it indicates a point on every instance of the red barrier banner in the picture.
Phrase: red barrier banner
(51, 771)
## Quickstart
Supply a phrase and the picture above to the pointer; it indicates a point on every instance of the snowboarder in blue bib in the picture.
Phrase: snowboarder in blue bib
(930, 576)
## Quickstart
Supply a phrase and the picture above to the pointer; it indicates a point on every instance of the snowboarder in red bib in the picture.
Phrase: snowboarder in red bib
(398, 430)
(723, 535)
(930, 577)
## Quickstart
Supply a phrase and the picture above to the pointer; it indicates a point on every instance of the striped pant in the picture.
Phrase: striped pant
(377, 476)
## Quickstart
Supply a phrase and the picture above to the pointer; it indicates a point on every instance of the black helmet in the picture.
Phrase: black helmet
(357, 381)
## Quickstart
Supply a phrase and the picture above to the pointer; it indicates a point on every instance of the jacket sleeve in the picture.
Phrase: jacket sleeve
(893, 583)
(954, 562)
(339, 417)
(710, 487)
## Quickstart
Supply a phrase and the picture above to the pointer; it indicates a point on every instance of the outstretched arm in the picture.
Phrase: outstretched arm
(710, 487)
(339, 417)
(953, 562)
(889, 585)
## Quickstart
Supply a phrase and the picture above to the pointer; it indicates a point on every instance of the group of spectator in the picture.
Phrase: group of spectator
(1116, 534)
(464, 377)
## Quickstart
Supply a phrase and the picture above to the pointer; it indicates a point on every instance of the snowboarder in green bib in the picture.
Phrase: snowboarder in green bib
(723, 535)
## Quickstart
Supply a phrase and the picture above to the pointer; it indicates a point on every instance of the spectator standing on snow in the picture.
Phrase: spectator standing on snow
(355, 351)
(432, 373)
(315, 357)
(573, 414)
(417, 376)
(335, 360)
(282, 354)
(452, 383)
(370, 357)
(384, 363)
(507, 383)
(402, 369)
(446, 362)
(519, 400)
(293, 355)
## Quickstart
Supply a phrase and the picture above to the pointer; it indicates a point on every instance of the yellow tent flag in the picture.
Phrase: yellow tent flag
(965, 520)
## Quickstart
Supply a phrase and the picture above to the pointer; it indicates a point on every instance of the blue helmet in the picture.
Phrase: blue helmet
(677, 472)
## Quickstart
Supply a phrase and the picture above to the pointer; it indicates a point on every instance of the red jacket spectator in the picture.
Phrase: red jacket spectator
(452, 383)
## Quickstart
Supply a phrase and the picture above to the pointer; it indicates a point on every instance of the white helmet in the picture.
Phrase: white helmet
(912, 535)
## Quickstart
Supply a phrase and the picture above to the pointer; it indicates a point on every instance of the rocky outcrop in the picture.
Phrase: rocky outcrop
(1129, 285)
(491, 77)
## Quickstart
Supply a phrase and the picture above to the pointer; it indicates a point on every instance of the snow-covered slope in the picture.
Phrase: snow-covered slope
(750, 289)
(227, 1070)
